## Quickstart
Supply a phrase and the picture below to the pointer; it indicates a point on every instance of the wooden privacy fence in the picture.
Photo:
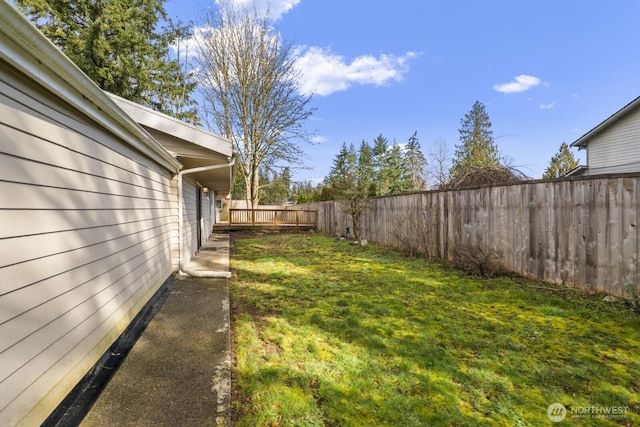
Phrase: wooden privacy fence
(275, 217)
(580, 232)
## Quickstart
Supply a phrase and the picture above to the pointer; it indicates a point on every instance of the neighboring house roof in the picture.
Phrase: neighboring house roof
(193, 146)
(583, 141)
(577, 171)
(32, 54)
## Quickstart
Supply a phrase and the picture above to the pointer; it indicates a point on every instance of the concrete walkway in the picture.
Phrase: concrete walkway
(178, 372)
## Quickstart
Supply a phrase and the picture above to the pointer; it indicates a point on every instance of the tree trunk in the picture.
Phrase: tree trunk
(255, 186)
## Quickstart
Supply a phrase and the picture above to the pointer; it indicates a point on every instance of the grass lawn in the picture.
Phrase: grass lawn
(329, 333)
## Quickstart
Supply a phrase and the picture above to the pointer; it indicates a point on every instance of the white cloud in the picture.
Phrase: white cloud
(319, 139)
(547, 106)
(190, 47)
(521, 83)
(275, 8)
(324, 72)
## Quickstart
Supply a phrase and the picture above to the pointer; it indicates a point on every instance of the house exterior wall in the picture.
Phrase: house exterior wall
(190, 219)
(87, 230)
(175, 240)
(617, 148)
(208, 215)
(190, 222)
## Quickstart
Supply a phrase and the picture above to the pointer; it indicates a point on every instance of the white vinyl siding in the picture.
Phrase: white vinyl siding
(87, 229)
(175, 240)
(617, 148)
(207, 215)
(189, 213)
(190, 216)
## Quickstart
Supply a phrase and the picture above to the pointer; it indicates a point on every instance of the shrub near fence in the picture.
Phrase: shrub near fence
(579, 232)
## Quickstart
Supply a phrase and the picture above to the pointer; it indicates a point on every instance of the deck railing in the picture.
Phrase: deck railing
(275, 217)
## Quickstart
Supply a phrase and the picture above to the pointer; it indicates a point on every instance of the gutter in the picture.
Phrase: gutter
(35, 56)
(181, 265)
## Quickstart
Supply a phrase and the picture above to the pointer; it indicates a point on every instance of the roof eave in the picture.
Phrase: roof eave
(177, 128)
(583, 141)
(39, 59)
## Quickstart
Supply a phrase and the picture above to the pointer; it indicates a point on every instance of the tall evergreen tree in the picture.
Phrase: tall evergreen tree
(306, 192)
(417, 163)
(396, 172)
(380, 161)
(346, 185)
(391, 166)
(343, 175)
(561, 163)
(266, 187)
(366, 168)
(477, 149)
(275, 188)
(120, 45)
(285, 176)
(380, 146)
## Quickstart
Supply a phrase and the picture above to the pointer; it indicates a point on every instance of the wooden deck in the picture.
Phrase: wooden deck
(271, 219)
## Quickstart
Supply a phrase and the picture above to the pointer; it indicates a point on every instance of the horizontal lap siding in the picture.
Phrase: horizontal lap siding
(207, 215)
(616, 149)
(191, 223)
(189, 216)
(87, 230)
(175, 247)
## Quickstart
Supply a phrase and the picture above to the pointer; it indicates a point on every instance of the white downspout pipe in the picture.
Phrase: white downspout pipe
(181, 264)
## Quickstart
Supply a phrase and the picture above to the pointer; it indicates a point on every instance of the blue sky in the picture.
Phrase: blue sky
(547, 71)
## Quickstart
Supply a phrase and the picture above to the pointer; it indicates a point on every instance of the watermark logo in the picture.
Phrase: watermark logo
(556, 412)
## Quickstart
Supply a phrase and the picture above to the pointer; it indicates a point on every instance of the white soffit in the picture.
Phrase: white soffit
(175, 128)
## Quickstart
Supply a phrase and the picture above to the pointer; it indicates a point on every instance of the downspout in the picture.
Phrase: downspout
(181, 265)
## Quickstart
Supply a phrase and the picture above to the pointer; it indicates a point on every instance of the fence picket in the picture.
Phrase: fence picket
(579, 231)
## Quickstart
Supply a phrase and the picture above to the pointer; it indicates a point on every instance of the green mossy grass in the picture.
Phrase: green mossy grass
(330, 333)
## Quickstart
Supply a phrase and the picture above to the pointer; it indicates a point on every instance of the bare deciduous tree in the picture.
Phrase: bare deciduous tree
(439, 163)
(250, 88)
